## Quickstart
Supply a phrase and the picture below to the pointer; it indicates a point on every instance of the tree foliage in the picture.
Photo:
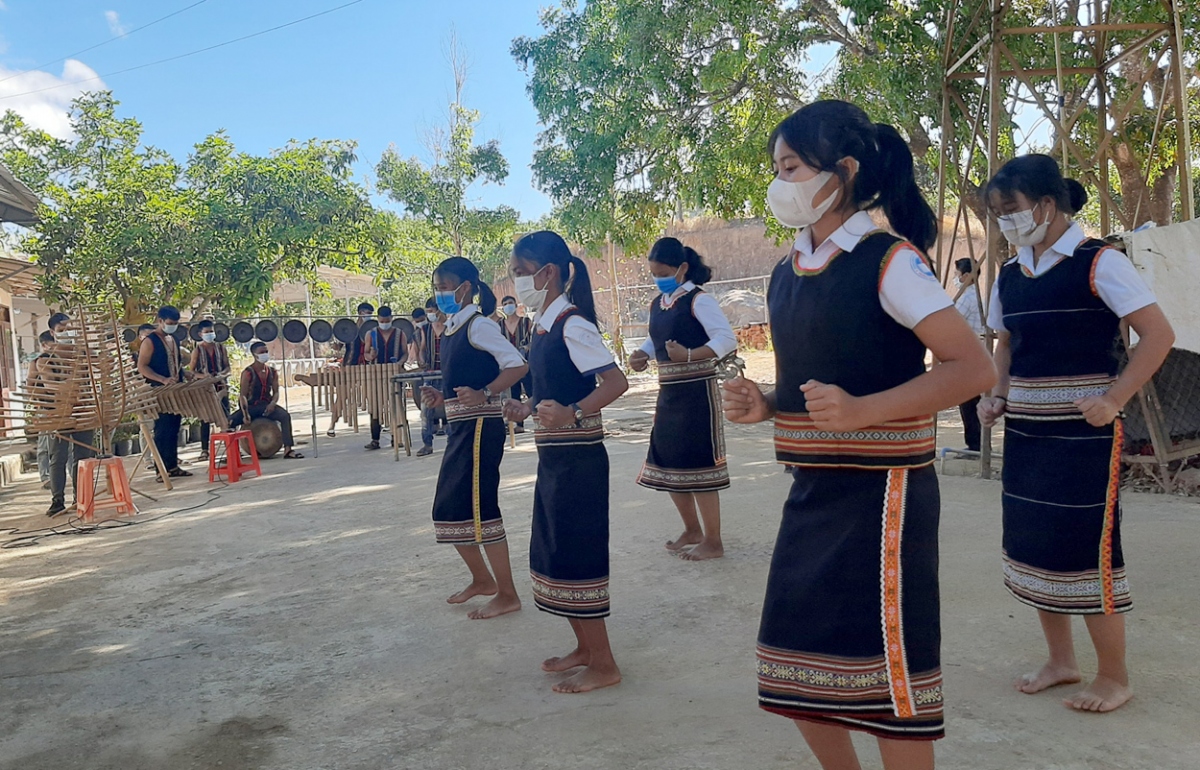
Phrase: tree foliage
(652, 108)
(439, 215)
(127, 223)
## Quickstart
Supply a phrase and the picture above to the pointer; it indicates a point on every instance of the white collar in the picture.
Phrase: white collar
(1064, 247)
(846, 237)
(683, 289)
(455, 322)
(551, 312)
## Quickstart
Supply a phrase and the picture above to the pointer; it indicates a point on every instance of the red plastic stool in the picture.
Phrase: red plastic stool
(234, 467)
(116, 490)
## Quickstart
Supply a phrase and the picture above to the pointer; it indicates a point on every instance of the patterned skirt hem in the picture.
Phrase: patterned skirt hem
(1058, 609)
(582, 599)
(881, 727)
(712, 479)
(1068, 593)
(465, 533)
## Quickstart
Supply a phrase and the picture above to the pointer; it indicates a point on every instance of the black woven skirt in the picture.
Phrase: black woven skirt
(687, 443)
(850, 631)
(466, 505)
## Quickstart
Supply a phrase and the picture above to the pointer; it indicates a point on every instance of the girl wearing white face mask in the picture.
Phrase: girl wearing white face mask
(574, 377)
(1057, 307)
(688, 333)
(850, 629)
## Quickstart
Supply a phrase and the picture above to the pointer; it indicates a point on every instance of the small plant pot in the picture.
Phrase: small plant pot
(135, 446)
(122, 448)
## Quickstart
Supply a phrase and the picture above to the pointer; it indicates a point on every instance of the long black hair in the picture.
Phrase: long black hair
(1036, 177)
(546, 247)
(464, 270)
(825, 132)
(672, 253)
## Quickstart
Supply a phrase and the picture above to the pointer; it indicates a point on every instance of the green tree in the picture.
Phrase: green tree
(656, 109)
(435, 194)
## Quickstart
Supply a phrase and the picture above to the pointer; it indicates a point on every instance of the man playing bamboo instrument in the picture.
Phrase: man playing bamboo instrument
(161, 363)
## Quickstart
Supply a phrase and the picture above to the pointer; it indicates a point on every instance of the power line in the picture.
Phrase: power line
(186, 55)
(106, 42)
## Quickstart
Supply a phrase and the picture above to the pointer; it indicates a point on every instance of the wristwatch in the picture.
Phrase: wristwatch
(487, 392)
(579, 415)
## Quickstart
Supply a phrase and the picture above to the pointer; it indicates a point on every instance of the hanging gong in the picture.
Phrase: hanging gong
(243, 332)
(181, 334)
(320, 330)
(194, 332)
(406, 326)
(222, 331)
(129, 335)
(345, 330)
(266, 330)
(366, 328)
(295, 331)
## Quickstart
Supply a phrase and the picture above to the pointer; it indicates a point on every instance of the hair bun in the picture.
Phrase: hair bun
(1076, 194)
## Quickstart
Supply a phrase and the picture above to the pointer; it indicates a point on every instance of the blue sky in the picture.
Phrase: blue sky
(375, 72)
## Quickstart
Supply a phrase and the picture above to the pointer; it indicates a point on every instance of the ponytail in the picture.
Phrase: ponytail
(1077, 196)
(546, 247)
(579, 289)
(672, 253)
(899, 196)
(826, 132)
(464, 270)
(1036, 177)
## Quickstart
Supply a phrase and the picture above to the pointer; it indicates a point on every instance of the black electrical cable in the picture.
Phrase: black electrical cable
(185, 55)
(106, 42)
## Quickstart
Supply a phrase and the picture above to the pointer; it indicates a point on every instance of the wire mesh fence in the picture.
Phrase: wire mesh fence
(1177, 387)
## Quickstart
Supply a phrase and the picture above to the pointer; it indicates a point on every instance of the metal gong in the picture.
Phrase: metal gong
(266, 330)
(320, 330)
(295, 331)
(194, 332)
(345, 330)
(181, 334)
(366, 328)
(406, 326)
(129, 335)
(221, 330)
(242, 332)
(268, 437)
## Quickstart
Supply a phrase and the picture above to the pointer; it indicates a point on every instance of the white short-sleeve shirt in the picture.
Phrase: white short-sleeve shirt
(908, 291)
(721, 338)
(486, 337)
(1116, 280)
(584, 342)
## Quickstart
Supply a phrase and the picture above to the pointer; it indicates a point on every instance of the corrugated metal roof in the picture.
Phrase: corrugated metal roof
(18, 204)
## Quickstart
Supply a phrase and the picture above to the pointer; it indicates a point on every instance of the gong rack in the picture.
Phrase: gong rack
(292, 328)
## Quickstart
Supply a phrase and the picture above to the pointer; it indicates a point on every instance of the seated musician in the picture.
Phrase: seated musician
(259, 397)
(385, 344)
(210, 359)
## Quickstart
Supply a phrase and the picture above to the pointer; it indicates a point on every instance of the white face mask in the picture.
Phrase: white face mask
(792, 202)
(384, 326)
(209, 337)
(530, 296)
(170, 328)
(263, 357)
(510, 309)
(1021, 228)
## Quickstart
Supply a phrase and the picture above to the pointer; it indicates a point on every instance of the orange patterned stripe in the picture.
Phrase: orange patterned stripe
(892, 252)
(890, 584)
(1092, 272)
(1112, 498)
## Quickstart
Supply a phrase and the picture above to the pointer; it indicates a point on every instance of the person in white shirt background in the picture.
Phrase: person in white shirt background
(688, 334)
(967, 304)
(1057, 308)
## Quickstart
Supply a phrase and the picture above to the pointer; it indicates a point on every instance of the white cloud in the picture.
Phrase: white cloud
(3, 7)
(114, 23)
(47, 109)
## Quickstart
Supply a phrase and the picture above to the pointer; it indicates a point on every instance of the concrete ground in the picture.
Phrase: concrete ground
(299, 621)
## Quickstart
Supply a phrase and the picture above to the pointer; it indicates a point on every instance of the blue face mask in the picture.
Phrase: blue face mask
(447, 303)
(667, 285)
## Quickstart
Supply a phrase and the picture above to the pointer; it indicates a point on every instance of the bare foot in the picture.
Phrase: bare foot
(684, 540)
(500, 605)
(475, 589)
(589, 679)
(1049, 676)
(576, 658)
(1102, 695)
(702, 552)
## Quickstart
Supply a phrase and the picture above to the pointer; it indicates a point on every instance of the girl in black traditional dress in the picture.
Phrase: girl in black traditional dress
(478, 368)
(574, 377)
(688, 334)
(1058, 306)
(850, 630)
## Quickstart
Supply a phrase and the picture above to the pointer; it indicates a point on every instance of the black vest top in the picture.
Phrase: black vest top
(352, 356)
(389, 351)
(676, 323)
(260, 390)
(1065, 341)
(556, 378)
(463, 364)
(829, 325)
(212, 361)
(165, 358)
